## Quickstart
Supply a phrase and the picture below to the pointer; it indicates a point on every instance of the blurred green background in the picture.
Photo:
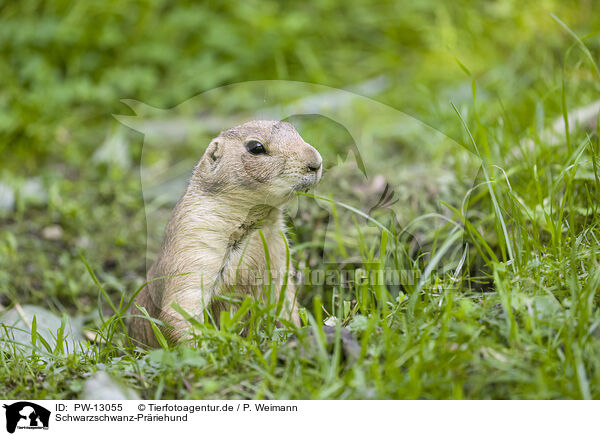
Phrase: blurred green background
(65, 65)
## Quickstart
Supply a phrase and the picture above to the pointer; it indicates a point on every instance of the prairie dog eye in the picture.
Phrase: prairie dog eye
(255, 147)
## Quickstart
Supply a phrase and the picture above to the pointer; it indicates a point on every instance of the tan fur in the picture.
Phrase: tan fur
(213, 232)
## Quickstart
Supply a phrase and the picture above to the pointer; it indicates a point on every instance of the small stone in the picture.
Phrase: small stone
(102, 386)
(34, 192)
(83, 242)
(93, 337)
(19, 320)
(52, 233)
(332, 321)
(7, 197)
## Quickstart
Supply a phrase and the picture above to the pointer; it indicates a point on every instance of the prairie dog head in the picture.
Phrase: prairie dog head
(263, 162)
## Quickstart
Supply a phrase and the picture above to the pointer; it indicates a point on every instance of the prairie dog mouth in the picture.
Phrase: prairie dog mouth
(307, 182)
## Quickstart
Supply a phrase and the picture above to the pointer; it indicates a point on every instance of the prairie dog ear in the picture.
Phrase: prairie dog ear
(213, 154)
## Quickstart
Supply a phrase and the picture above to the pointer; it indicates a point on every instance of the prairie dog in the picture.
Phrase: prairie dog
(245, 176)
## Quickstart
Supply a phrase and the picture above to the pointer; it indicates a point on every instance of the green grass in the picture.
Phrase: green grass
(516, 317)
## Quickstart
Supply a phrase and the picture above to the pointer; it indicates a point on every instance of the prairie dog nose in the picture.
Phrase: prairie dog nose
(313, 160)
(314, 166)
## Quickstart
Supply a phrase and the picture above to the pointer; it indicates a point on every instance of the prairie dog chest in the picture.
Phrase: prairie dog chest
(246, 264)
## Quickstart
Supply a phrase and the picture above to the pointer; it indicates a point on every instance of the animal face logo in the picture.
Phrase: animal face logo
(26, 415)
